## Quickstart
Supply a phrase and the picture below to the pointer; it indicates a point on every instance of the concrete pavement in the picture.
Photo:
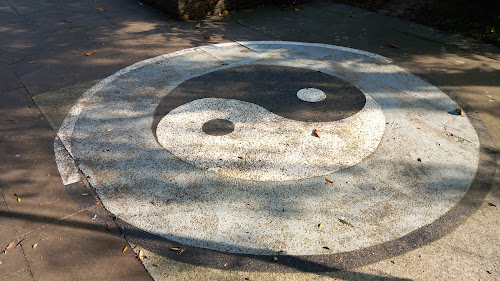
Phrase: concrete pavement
(45, 70)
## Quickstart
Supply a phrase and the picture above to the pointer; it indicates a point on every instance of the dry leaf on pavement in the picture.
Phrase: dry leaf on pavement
(11, 244)
(124, 249)
(329, 180)
(170, 25)
(298, 8)
(89, 53)
(342, 220)
(226, 12)
(141, 254)
(197, 25)
(392, 45)
(208, 37)
(101, 9)
(316, 133)
(461, 112)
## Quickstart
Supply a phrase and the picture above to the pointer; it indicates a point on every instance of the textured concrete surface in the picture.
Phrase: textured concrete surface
(43, 46)
(112, 124)
(52, 236)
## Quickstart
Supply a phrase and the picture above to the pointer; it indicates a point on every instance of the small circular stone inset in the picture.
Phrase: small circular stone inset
(311, 95)
(218, 127)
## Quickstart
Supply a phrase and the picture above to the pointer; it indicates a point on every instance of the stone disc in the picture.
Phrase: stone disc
(245, 150)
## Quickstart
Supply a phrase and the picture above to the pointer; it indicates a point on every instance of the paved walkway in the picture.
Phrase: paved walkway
(53, 228)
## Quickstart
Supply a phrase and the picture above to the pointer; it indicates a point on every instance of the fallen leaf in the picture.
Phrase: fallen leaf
(89, 53)
(125, 249)
(226, 12)
(316, 133)
(392, 45)
(461, 112)
(11, 244)
(109, 130)
(298, 8)
(180, 251)
(170, 25)
(320, 224)
(352, 15)
(197, 25)
(175, 249)
(34, 246)
(101, 9)
(328, 180)
(141, 254)
(153, 202)
(240, 157)
(325, 247)
(208, 37)
(18, 199)
(491, 204)
(342, 220)
(85, 194)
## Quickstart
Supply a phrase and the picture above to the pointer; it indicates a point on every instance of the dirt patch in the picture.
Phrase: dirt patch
(478, 20)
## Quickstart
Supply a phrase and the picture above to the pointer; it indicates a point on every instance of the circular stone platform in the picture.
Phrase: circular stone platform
(260, 148)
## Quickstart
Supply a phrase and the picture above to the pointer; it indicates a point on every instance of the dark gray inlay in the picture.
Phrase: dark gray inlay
(218, 127)
(272, 87)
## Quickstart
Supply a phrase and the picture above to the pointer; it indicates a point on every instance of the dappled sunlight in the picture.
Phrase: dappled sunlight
(388, 163)
(270, 147)
(385, 174)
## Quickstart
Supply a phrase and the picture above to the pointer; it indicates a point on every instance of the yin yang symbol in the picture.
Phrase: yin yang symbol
(221, 139)
(261, 130)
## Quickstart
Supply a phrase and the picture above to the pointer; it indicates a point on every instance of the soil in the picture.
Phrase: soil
(478, 20)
